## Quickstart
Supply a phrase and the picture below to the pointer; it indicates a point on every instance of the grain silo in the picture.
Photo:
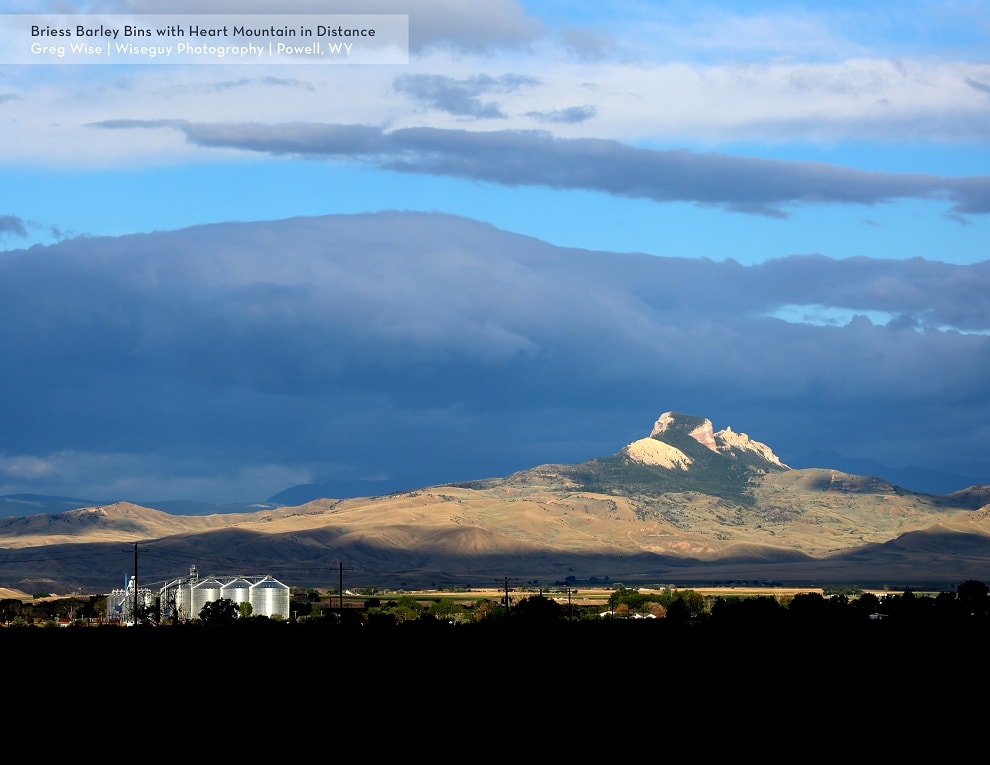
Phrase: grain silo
(270, 597)
(183, 598)
(237, 590)
(204, 592)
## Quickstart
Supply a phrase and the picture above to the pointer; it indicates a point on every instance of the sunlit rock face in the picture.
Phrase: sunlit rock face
(650, 451)
(724, 441)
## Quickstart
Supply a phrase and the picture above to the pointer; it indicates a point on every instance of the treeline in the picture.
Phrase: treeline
(968, 603)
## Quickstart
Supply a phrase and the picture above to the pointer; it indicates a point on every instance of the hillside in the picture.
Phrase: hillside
(684, 505)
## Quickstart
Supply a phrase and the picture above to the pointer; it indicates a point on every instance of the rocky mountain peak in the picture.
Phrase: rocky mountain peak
(701, 430)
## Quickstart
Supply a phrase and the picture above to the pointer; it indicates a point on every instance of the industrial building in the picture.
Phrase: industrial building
(185, 597)
(121, 602)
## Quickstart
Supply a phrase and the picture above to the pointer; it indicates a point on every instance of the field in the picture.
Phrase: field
(582, 596)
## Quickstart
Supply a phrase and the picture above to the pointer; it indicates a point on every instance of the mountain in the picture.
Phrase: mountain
(342, 489)
(18, 505)
(12, 505)
(685, 505)
(920, 478)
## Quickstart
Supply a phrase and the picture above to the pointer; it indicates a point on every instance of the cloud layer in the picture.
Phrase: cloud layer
(513, 158)
(226, 362)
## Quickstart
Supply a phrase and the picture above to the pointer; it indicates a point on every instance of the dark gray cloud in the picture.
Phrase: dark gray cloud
(519, 158)
(572, 115)
(12, 225)
(461, 97)
(425, 348)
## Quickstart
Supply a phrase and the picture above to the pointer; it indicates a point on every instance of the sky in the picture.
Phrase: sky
(542, 226)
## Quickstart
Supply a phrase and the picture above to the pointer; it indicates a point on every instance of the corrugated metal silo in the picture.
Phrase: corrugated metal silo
(270, 597)
(179, 595)
(237, 590)
(204, 592)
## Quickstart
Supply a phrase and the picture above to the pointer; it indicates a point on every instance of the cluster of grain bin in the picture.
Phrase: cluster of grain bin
(187, 596)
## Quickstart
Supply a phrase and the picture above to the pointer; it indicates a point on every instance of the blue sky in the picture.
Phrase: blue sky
(865, 87)
(740, 134)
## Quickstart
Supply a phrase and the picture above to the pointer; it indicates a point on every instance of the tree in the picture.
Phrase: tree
(407, 608)
(752, 611)
(808, 604)
(67, 607)
(538, 609)
(246, 609)
(973, 596)
(633, 599)
(443, 608)
(10, 609)
(678, 610)
(694, 601)
(656, 609)
(95, 608)
(868, 602)
(149, 613)
(219, 612)
(485, 608)
(972, 589)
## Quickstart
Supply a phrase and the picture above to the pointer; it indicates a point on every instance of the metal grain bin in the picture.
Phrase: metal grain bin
(237, 590)
(204, 592)
(270, 597)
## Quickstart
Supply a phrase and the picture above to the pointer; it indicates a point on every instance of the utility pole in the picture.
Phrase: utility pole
(134, 599)
(134, 614)
(340, 587)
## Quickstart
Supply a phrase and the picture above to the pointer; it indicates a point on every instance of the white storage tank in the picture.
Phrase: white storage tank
(183, 601)
(269, 597)
(204, 592)
(237, 590)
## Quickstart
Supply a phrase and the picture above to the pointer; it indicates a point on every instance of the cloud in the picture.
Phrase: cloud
(461, 97)
(15, 226)
(587, 44)
(429, 348)
(244, 82)
(12, 225)
(515, 158)
(667, 78)
(571, 114)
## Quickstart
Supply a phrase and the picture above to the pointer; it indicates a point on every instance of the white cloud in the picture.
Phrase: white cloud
(669, 98)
